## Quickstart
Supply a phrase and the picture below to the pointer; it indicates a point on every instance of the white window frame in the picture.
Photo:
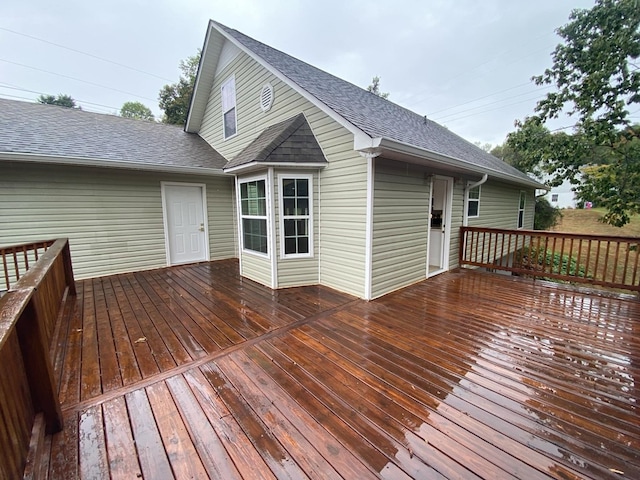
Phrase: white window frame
(228, 103)
(469, 200)
(522, 204)
(308, 217)
(265, 217)
(554, 197)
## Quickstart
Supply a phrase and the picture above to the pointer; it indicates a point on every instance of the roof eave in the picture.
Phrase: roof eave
(253, 166)
(107, 163)
(389, 145)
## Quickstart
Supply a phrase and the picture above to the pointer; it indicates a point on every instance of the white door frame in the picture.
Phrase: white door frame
(446, 242)
(203, 192)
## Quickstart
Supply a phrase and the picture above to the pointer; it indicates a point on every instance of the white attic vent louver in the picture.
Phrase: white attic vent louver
(266, 97)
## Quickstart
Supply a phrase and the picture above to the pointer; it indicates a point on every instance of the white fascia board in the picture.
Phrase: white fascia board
(359, 134)
(99, 162)
(192, 124)
(247, 167)
(405, 148)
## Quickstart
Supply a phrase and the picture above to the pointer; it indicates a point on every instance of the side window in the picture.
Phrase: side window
(554, 197)
(253, 210)
(473, 202)
(521, 205)
(229, 121)
(296, 219)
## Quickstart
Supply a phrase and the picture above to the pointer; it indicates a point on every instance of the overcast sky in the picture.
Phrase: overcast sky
(466, 64)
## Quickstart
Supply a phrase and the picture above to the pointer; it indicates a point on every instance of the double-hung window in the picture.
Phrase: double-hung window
(521, 205)
(473, 202)
(253, 211)
(296, 220)
(229, 121)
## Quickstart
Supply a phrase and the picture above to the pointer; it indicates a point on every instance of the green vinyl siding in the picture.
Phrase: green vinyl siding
(457, 212)
(342, 185)
(112, 217)
(400, 220)
(499, 206)
(256, 268)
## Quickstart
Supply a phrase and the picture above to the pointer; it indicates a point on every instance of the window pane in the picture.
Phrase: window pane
(474, 193)
(290, 245)
(303, 206)
(302, 227)
(472, 208)
(520, 218)
(289, 228)
(303, 244)
(289, 206)
(255, 234)
(303, 187)
(288, 187)
(230, 123)
(522, 200)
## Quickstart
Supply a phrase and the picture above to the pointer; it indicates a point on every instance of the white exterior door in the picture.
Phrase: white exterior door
(439, 228)
(185, 223)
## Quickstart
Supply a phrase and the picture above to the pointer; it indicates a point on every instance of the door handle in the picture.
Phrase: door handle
(201, 227)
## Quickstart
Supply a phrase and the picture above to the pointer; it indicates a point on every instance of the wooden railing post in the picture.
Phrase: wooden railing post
(68, 269)
(38, 367)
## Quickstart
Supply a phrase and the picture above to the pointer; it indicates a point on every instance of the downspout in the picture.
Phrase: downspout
(465, 219)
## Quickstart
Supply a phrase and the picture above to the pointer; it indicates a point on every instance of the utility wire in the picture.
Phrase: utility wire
(86, 54)
(493, 109)
(76, 79)
(437, 119)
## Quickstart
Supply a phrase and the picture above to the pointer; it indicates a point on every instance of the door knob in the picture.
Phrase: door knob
(201, 227)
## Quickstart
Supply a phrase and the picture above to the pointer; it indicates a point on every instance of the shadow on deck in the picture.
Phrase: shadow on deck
(193, 372)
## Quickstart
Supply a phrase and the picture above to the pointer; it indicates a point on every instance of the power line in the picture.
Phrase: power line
(76, 79)
(86, 54)
(437, 119)
(493, 109)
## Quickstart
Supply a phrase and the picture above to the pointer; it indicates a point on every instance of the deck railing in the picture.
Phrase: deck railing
(28, 315)
(607, 261)
(17, 259)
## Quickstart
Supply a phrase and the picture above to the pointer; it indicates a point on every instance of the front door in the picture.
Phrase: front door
(185, 223)
(440, 215)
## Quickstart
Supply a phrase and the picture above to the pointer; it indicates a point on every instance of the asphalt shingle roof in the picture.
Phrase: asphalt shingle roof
(290, 141)
(50, 130)
(372, 114)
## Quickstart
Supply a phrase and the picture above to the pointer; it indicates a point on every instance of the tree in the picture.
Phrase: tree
(175, 98)
(375, 88)
(60, 100)
(598, 82)
(136, 110)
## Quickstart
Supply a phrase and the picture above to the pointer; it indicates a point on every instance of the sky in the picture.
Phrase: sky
(466, 64)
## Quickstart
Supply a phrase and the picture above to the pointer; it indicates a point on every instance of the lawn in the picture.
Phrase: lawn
(587, 222)
(599, 256)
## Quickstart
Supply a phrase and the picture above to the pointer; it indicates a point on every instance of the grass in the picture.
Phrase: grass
(588, 222)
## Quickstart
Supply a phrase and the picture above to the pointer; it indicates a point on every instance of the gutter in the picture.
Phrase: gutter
(108, 163)
(407, 149)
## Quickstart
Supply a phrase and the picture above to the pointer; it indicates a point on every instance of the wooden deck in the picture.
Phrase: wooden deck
(192, 372)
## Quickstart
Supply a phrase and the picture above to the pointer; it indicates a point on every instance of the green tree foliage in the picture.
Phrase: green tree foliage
(174, 99)
(375, 88)
(546, 215)
(596, 81)
(136, 110)
(60, 100)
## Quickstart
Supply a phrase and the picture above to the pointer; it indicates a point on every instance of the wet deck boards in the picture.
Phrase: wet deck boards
(466, 375)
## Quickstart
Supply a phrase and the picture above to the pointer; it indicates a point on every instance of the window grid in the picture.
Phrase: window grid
(296, 204)
(521, 205)
(229, 120)
(473, 202)
(253, 210)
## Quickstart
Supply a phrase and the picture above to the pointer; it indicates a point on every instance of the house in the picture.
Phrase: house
(305, 178)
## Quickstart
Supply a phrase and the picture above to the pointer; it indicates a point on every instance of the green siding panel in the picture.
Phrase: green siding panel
(112, 217)
(400, 219)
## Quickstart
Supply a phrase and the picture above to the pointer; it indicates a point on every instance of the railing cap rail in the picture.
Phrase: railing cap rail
(12, 304)
(545, 233)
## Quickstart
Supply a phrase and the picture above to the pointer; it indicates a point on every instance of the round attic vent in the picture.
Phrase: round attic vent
(266, 97)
